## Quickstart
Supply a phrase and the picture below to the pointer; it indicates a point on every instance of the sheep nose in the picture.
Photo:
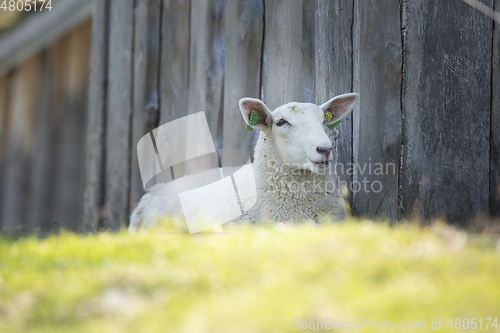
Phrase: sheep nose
(324, 151)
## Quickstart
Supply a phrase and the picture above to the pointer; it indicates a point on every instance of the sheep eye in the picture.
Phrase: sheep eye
(282, 122)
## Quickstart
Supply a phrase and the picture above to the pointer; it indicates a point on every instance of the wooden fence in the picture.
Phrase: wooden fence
(44, 75)
(428, 73)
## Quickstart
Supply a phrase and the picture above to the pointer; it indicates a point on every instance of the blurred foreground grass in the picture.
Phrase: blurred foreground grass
(246, 279)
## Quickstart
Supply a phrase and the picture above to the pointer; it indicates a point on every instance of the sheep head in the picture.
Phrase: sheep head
(298, 130)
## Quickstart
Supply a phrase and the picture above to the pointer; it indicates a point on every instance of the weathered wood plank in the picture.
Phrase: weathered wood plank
(4, 115)
(309, 45)
(4, 129)
(56, 68)
(284, 81)
(119, 112)
(93, 195)
(206, 63)
(68, 183)
(334, 72)
(42, 161)
(15, 191)
(378, 130)
(40, 31)
(146, 72)
(174, 80)
(244, 36)
(446, 109)
(356, 85)
(495, 122)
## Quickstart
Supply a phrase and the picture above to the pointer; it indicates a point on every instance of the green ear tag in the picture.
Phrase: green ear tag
(254, 118)
(332, 126)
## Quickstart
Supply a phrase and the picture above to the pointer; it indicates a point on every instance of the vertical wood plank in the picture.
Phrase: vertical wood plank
(4, 127)
(356, 87)
(42, 163)
(495, 122)
(56, 68)
(379, 121)
(93, 195)
(119, 112)
(174, 79)
(15, 191)
(146, 74)
(309, 45)
(284, 80)
(334, 72)
(446, 109)
(244, 36)
(4, 115)
(68, 165)
(206, 63)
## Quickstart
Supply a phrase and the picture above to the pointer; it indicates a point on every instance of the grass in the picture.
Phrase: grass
(247, 279)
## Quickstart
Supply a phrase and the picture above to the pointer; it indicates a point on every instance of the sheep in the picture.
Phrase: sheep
(292, 161)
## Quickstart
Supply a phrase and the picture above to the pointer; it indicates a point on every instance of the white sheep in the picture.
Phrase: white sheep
(292, 158)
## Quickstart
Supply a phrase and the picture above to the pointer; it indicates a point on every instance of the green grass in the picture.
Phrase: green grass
(246, 279)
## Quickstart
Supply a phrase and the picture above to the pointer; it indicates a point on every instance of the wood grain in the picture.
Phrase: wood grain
(378, 127)
(4, 116)
(309, 49)
(4, 130)
(284, 81)
(42, 160)
(243, 52)
(71, 109)
(495, 122)
(93, 194)
(119, 113)
(446, 109)
(334, 72)
(175, 41)
(146, 111)
(15, 183)
(206, 63)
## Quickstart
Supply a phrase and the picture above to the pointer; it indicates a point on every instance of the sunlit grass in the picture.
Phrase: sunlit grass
(246, 278)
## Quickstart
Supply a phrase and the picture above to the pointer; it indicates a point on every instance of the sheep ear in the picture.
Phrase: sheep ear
(264, 120)
(339, 107)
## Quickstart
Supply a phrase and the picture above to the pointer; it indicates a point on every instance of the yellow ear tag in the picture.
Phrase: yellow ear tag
(328, 116)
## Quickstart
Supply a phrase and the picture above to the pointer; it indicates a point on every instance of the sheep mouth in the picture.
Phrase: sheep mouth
(322, 165)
